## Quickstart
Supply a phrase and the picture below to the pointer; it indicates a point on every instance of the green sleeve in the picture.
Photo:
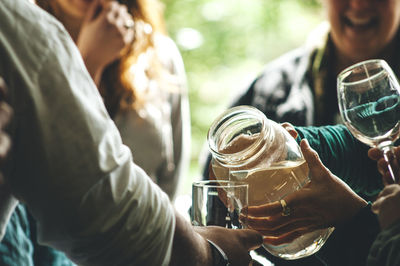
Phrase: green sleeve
(345, 156)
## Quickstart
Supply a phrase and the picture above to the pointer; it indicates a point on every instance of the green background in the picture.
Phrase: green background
(224, 45)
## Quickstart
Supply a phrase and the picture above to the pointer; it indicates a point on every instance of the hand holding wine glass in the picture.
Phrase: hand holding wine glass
(368, 96)
(377, 155)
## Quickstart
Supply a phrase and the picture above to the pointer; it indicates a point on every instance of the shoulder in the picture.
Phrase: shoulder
(32, 35)
(279, 76)
(168, 53)
(32, 45)
(283, 68)
(164, 43)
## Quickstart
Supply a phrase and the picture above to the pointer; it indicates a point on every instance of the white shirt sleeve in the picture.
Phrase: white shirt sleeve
(68, 163)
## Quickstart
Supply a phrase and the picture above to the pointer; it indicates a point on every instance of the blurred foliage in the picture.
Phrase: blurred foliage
(224, 44)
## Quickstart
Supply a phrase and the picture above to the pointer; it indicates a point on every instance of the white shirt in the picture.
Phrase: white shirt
(158, 132)
(68, 163)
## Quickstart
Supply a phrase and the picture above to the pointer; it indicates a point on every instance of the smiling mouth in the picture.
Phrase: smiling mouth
(360, 24)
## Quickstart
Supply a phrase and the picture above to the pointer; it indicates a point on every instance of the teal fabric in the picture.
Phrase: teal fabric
(345, 156)
(20, 248)
(16, 247)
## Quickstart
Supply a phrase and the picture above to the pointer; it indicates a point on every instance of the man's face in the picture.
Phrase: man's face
(361, 29)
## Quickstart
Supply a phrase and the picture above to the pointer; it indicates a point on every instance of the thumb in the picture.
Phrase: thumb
(290, 128)
(94, 10)
(251, 238)
(314, 163)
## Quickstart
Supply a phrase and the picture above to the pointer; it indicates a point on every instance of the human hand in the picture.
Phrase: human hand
(106, 30)
(324, 202)
(376, 154)
(7, 200)
(5, 115)
(290, 128)
(387, 205)
(235, 243)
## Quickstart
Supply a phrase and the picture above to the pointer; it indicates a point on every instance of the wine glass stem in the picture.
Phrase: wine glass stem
(392, 163)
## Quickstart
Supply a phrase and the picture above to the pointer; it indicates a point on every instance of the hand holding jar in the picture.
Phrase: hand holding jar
(324, 202)
(248, 147)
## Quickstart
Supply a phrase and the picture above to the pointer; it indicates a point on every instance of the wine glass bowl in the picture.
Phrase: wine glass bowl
(369, 104)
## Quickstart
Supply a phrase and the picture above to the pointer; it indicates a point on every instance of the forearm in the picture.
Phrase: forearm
(78, 179)
(189, 248)
(94, 68)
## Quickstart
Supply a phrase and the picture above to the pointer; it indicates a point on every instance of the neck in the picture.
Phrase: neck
(71, 23)
(388, 54)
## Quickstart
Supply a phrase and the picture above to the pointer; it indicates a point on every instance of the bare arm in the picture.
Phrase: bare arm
(191, 248)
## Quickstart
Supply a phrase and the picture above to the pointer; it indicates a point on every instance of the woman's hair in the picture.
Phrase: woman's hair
(117, 81)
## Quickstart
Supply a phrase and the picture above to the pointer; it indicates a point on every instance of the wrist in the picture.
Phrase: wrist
(94, 67)
(357, 206)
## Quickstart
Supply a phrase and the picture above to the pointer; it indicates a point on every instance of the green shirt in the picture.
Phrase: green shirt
(345, 156)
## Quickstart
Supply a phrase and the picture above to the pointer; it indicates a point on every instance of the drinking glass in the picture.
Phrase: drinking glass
(219, 202)
(368, 96)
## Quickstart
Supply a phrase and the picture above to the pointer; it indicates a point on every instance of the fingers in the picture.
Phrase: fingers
(375, 154)
(317, 169)
(5, 114)
(383, 166)
(383, 195)
(118, 14)
(111, 10)
(252, 239)
(388, 190)
(278, 226)
(129, 36)
(3, 89)
(94, 10)
(5, 144)
(290, 128)
(310, 155)
(294, 201)
(264, 210)
(287, 238)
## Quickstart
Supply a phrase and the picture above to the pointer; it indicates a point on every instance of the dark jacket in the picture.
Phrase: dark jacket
(299, 87)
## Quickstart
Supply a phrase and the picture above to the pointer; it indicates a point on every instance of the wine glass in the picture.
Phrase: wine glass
(219, 202)
(368, 96)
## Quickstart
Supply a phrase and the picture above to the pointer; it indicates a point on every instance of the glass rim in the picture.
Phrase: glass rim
(237, 110)
(219, 184)
(342, 75)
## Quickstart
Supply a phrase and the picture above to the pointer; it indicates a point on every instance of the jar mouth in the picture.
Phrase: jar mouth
(232, 123)
(220, 184)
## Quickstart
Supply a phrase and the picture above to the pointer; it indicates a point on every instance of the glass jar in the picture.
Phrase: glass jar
(246, 146)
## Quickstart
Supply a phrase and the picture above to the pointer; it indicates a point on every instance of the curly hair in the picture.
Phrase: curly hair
(117, 81)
